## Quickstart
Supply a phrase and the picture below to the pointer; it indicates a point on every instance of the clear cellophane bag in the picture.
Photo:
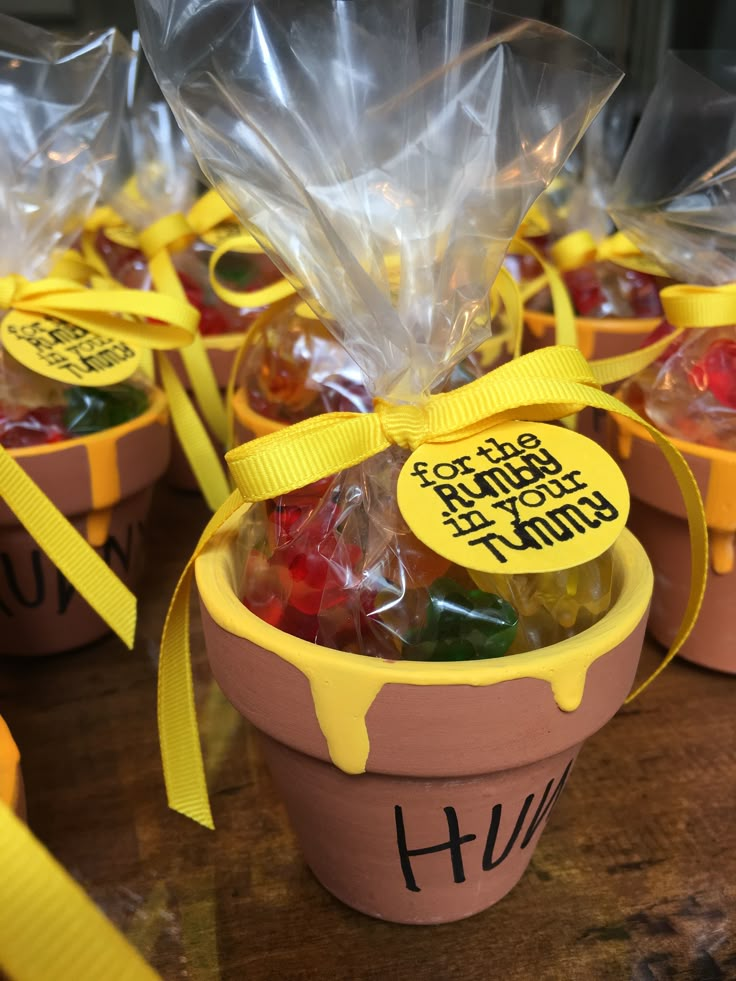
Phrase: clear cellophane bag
(675, 197)
(384, 155)
(62, 108)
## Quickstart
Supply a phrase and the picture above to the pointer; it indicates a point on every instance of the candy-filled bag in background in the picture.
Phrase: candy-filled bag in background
(361, 612)
(76, 414)
(606, 308)
(154, 206)
(674, 198)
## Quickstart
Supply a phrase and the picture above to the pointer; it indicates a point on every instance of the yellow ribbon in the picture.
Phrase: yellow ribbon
(93, 579)
(250, 299)
(545, 385)
(575, 250)
(49, 928)
(115, 313)
(157, 242)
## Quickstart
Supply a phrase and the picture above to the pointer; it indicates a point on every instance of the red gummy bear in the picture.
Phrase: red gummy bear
(716, 372)
(36, 427)
(586, 291)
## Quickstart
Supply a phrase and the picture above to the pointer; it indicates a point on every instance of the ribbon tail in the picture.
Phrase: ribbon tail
(204, 385)
(696, 523)
(194, 355)
(565, 329)
(49, 927)
(181, 751)
(193, 438)
(93, 579)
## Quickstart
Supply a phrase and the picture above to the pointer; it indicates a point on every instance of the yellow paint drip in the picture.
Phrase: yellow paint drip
(344, 686)
(721, 551)
(104, 474)
(9, 763)
(98, 527)
(720, 500)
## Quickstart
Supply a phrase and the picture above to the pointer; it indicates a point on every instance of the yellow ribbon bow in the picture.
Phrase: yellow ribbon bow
(110, 313)
(545, 385)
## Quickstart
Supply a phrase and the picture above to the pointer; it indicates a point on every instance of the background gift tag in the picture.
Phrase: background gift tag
(67, 353)
(521, 497)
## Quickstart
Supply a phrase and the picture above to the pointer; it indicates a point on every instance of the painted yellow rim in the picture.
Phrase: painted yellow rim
(158, 411)
(250, 419)
(224, 342)
(216, 573)
(685, 447)
(9, 767)
(608, 325)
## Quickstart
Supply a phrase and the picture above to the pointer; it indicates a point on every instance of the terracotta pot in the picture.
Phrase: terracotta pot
(659, 520)
(11, 780)
(222, 349)
(597, 338)
(103, 484)
(418, 791)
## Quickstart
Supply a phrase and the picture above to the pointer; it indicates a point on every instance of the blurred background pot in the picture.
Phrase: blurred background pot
(658, 519)
(597, 338)
(103, 484)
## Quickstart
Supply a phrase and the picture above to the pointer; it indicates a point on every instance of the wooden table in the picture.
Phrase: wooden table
(634, 877)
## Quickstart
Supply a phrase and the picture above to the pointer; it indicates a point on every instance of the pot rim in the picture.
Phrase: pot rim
(215, 573)
(157, 409)
(607, 325)
(636, 430)
(228, 341)
(252, 420)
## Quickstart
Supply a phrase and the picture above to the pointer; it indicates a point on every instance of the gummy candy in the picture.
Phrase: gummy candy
(463, 625)
(335, 564)
(85, 411)
(690, 391)
(21, 427)
(90, 410)
(603, 289)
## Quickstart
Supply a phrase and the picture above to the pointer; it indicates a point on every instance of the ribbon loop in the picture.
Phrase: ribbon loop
(171, 233)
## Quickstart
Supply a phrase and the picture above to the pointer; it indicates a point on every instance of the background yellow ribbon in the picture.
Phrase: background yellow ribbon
(49, 928)
(71, 554)
(544, 385)
(156, 242)
(107, 312)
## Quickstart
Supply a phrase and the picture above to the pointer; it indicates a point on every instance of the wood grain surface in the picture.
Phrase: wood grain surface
(634, 877)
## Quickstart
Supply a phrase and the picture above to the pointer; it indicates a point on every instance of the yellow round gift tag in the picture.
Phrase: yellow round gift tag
(65, 352)
(520, 497)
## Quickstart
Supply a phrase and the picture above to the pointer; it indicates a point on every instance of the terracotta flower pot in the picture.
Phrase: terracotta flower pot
(418, 791)
(658, 519)
(597, 338)
(11, 780)
(222, 349)
(103, 484)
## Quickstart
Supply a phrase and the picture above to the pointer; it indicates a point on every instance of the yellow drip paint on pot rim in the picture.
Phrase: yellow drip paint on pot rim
(344, 686)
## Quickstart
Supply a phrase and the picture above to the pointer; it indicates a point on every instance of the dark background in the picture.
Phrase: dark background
(635, 34)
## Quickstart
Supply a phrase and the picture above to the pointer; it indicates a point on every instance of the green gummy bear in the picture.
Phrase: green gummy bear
(463, 625)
